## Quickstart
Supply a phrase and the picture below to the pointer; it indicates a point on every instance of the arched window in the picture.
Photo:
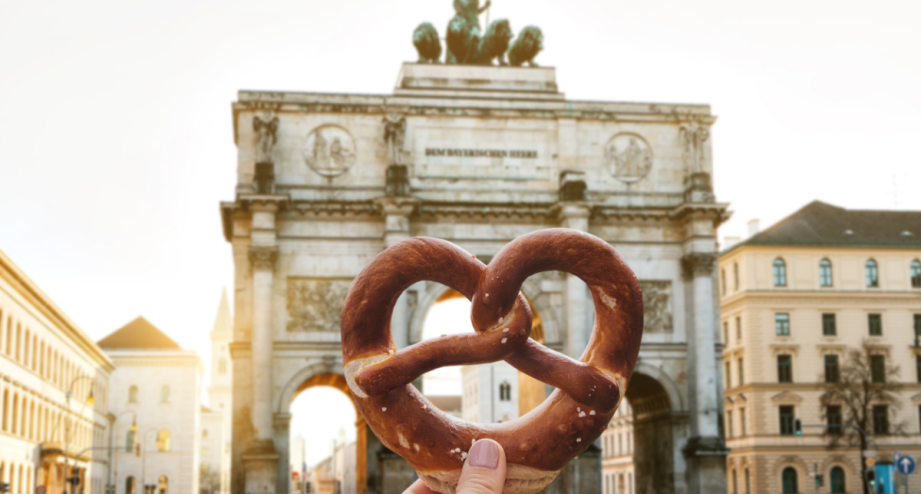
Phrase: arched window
(836, 480)
(129, 485)
(163, 440)
(735, 276)
(825, 278)
(789, 481)
(162, 485)
(735, 482)
(505, 391)
(164, 394)
(133, 394)
(872, 272)
(129, 441)
(748, 482)
(916, 274)
(780, 272)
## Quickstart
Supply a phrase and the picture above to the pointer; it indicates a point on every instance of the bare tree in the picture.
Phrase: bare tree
(865, 383)
(209, 481)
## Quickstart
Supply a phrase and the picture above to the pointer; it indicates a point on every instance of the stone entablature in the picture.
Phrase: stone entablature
(476, 156)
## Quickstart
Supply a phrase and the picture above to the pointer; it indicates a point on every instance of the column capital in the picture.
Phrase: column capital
(399, 206)
(698, 264)
(573, 214)
(263, 257)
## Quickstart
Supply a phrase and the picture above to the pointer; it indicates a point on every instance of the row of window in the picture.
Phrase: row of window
(164, 394)
(162, 441)
(871, 274)
(31, 351)
(608, 445)
(730, 426)
(738, 331)
(834, 418)
(830, 324)
(19, 477)
(35, 421)
(161, 487)
(832, 367)
(618, 483)
(789, 480)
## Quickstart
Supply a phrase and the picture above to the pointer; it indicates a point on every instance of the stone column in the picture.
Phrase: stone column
(261, 456)
(262, 259)
(282, 426)
(705, 450)
(578, 304)
(396, 212)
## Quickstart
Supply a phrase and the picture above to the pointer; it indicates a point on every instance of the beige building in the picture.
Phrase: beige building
(215, 419)
(54, 385)
(795, 298)
(157, 386)
(617, 452)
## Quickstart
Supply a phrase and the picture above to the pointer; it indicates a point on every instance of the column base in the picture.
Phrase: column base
(259, 463)
(706, 458)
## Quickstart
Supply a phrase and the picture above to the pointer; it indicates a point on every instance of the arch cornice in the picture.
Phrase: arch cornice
(671, 389)
(293, 386)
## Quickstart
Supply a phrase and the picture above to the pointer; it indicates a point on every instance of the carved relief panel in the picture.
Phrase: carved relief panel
(329, 150)
(657, 306)
(628, 157)
(316, 304)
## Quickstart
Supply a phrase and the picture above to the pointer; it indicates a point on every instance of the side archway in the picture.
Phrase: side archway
(653, 438)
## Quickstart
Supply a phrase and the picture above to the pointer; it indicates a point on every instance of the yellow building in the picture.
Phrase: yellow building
(794, 300)
(54, 382)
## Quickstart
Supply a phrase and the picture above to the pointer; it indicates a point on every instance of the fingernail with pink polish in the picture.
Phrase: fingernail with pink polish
(484, 454)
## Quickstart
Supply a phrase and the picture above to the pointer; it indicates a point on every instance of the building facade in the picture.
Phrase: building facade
(216, 417)
(796, 300)
(476, 156)
(617, 453)
(54, 389)
(489, 392)
(156, 405)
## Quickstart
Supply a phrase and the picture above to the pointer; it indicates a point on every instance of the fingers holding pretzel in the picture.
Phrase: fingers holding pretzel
(538, 444)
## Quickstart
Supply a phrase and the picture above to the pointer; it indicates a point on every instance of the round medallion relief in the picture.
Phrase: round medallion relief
(329, 150)
(628, 157)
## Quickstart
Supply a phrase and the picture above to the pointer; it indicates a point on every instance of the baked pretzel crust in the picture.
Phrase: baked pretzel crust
(543, 440)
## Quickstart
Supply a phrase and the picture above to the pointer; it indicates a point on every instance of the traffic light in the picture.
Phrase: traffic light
(819, 480)
(871, 480)
(798, 427)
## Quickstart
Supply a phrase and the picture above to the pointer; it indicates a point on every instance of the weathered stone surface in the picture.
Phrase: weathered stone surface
(490, 153)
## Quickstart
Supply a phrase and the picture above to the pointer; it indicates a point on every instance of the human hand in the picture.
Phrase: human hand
(483, 471)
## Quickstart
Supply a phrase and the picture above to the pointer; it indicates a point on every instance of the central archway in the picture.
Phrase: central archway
(311, 378)
(653, 441)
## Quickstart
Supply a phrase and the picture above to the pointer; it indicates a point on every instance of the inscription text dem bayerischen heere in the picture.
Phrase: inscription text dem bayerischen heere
(482, 153)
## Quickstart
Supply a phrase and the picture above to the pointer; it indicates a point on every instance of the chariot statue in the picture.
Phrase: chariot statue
(466, 44)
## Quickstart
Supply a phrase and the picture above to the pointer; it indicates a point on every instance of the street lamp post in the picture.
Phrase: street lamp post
(134, 428)
(90, 399)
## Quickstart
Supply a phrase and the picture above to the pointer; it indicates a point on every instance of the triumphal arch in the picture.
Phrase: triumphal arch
(476, 155)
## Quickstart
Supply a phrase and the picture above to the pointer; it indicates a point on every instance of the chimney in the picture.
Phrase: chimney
(754, 226)
(728, 242)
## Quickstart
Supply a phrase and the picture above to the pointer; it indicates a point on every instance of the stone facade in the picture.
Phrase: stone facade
(158, 389)
(489, 393)
(792, 297)
(49, 369)
(477, 156)
(617, 470)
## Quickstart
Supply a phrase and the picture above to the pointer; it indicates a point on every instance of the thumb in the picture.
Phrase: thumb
(484, 471)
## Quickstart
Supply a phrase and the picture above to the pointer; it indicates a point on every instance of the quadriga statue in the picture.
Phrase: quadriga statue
(467, 45)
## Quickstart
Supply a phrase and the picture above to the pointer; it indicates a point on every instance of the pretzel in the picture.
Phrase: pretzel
(540, 443)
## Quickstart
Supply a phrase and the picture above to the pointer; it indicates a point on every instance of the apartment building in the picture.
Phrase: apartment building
(795, 300)
(54, 384)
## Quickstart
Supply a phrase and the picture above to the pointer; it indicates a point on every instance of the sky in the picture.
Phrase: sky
(116, 141)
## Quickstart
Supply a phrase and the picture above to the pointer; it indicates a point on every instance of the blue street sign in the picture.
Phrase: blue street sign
(906, 465)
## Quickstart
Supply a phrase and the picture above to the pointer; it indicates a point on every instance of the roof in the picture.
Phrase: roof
(34, 295)
(819, 224)
(139, 333)
(223, 324)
